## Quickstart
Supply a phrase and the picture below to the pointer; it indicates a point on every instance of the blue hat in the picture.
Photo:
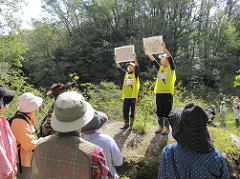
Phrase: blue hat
(98, 121)
(189, 128)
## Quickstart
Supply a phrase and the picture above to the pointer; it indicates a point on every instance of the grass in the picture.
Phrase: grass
(223, 141)
(230, 124)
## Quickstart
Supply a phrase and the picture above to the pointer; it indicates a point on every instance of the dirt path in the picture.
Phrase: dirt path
(136, 145)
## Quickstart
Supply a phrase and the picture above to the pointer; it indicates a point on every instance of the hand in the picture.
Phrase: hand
(144, 49)
(10, 177)
(115, 58)
(135, 55)
(163, 45)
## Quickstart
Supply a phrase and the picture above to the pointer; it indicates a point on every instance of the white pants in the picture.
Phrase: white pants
(236, 113)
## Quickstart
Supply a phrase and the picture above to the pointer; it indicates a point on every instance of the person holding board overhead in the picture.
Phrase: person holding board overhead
(164, 88)
(130, 89)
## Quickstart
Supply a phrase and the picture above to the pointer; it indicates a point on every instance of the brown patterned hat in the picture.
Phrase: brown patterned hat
(56, 89)
(189, 128)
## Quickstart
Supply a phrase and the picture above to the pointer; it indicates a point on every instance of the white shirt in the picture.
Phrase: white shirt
(222, 108)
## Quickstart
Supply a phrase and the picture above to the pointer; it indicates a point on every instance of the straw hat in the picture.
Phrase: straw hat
(55, 89)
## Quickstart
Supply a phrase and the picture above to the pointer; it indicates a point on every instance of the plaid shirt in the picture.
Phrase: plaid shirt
(99, 167)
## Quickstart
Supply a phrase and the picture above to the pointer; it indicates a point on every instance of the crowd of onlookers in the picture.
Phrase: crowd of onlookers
(73, 146)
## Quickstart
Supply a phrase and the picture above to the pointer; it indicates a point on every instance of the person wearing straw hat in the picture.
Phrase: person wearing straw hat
(164, 88)
(65, 154)
(25, 132)
(8, 147)
(130, 89)
(56, 89)
(92, 133)
(194, 155)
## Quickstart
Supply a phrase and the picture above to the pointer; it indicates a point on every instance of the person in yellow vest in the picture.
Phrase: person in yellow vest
(164, 88)
(130, 89)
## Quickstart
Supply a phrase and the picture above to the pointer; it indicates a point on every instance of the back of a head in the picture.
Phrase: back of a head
(189, 128)
(56, 89)
(6, 96)
(71, 112)
(28, 102)
(98, 121)
(65, 154)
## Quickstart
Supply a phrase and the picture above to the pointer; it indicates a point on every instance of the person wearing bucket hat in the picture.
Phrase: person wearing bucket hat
(25, 132)
(56, 89)
(65, 154)
(92, 133)
(8, 145)
(194, 155)
(130, 89)
(164, 88)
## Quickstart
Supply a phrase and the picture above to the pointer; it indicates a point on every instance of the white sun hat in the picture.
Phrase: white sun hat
(28, 102)
(71, 112)
(162, 55)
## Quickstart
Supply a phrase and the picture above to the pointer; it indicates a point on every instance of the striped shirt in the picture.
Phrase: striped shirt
(8, 150)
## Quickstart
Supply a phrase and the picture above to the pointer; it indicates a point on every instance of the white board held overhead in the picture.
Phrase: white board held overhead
(153, 44)
(125, 53)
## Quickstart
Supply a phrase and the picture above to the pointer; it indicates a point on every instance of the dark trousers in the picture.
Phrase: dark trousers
(26, 172)
(164, 103)
(127, 104)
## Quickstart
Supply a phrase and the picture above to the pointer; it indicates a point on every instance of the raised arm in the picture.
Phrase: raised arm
(135, 57)
(165, 49)
(170, 59)
(157, 65)
(115, 58)
(149, 55)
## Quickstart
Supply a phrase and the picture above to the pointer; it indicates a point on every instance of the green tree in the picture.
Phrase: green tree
(201, 36)
(237, 78)
(10, 22)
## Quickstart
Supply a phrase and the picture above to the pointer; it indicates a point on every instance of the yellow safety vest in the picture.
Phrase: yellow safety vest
(165, 80)
(131, 86)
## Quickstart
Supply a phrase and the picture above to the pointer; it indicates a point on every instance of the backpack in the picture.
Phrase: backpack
(16, 115)
(10, 119)
(44, 125)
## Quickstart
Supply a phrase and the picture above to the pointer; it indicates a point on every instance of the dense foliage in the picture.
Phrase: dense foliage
(80, 36)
